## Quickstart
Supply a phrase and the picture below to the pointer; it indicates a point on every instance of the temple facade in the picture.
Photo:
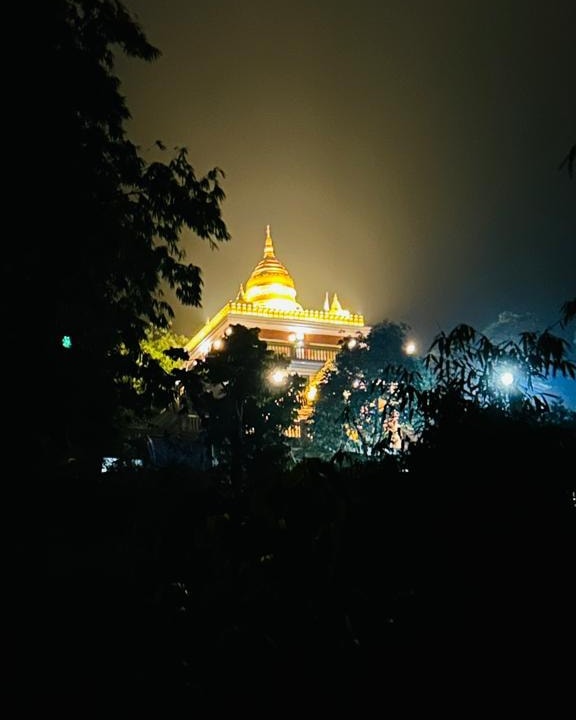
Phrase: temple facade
(310, 338)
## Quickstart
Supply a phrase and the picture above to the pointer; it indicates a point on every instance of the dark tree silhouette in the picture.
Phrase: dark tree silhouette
(364, 401)
(568, 312)
(107, 239)
(569, 161)
(247, 401)
(489, 406)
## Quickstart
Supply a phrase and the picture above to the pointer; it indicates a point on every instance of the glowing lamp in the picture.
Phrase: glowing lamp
(277, 377)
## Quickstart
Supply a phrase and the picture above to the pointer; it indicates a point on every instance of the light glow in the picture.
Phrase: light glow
(274, 295)
(278, 376)
(312, 393)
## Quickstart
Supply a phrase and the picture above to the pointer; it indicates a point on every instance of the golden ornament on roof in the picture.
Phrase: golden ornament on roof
(270, 284)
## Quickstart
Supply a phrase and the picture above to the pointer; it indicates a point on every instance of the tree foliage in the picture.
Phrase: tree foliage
(504, 374)
(568, 312)
(569, 161)
(467, 393)
(159, 344)
(489, 407)
(367, 399)
(108, 238)
(246, 399)
(155, 388)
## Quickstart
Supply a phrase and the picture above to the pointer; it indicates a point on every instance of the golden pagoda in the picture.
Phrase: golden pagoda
(310, 338)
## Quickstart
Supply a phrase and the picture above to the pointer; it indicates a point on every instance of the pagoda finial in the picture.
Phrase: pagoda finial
(268, 247)
(241, 297)
(326, 303)
(335, 307)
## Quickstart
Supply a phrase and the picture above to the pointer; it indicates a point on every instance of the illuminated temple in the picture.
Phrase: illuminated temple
(310, 338)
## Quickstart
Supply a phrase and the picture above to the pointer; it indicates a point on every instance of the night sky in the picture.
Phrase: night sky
(405, 152)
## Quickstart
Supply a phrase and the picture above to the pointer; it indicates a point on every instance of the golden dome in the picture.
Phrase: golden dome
(270, 284)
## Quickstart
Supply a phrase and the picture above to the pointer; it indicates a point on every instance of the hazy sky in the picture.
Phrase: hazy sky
(404, 152)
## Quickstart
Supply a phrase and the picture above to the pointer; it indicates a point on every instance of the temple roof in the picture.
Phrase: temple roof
(268, 301)
(270, 285)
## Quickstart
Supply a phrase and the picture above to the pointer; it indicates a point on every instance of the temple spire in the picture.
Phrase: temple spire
(270, 284)
(241, 297)
(326, 303)
(335, 307)
(268, 247)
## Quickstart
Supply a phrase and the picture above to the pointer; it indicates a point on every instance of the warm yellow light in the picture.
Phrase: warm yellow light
(229, 331)
(312, 393)
(277, 377)
(218, 344)
(205, 347)
(410, 347)
(356, 383)
(352, 343)
(273, 295)
(292, 337)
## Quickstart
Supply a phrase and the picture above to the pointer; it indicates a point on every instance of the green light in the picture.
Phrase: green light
(66, 342)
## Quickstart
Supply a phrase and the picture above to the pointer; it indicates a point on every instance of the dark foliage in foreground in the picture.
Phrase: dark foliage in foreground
(317, 585)
(102, 241)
